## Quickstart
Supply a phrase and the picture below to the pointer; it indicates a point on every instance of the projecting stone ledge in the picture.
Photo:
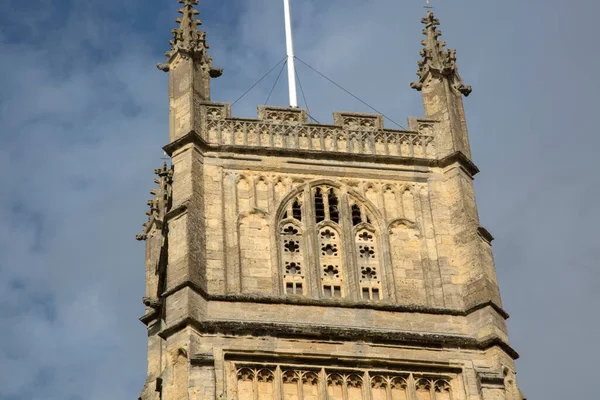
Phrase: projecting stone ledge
(289, 129)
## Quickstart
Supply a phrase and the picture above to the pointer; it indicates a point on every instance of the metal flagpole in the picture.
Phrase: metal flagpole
(290, 54)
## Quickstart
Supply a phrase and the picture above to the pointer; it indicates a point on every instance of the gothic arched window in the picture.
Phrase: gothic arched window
(339, 227)
(292, 249)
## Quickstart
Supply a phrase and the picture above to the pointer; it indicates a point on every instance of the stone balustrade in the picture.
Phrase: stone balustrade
(288, 128)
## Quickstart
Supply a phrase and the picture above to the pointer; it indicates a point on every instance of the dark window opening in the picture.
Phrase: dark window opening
(334, 213)
(290, 230)
(356, 215)
(292, 246)
(297, 210)
(327, 291)
(289, 288)
(365, 293)
(331, 271)
(329, 250)
(292, 268)
(319, 206)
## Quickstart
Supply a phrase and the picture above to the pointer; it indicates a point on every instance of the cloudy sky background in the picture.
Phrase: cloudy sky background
(83, 116)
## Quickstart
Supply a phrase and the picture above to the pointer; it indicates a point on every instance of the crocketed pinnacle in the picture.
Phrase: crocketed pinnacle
(436, 59)
(160, 204)
(189, 41)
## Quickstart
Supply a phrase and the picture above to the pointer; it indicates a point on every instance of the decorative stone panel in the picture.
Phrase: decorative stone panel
(287, 128)
(283, 382)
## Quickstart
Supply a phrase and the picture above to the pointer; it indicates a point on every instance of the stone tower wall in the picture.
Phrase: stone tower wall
(290, 260)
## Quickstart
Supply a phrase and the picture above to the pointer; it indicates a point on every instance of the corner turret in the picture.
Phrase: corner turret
(190, 70)
(442, 88)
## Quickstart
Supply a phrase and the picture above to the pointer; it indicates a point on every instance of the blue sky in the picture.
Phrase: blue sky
(83, 116)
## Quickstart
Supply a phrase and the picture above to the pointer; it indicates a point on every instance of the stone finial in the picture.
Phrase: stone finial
(436, 59)
(161, 203)
(189, 41)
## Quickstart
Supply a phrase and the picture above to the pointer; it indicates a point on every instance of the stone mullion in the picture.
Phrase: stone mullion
(232, 257)
(366, 386)
(325, 194)
(253, 201)
(385, 261)
(430, 237)
(255, 384)
(400, 202)
(347, 245)
(411, 388)
(383, 205)
(236, 241)
(425, 259)
(388, 388)
(276, 239)
(278, 383)
(345, 387)
(323, 384)
(300, 385)
(311, 254)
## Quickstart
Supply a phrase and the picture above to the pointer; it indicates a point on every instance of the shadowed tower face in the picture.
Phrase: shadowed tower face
(288, 260)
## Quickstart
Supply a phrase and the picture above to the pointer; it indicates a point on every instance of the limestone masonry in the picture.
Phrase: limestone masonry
(291, 260)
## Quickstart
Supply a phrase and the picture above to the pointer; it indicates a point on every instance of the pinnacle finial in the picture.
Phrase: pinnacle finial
(436, 59)
(160, 203)
(188, 40)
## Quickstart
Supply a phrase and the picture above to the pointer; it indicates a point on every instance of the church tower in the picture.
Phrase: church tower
(292, 260)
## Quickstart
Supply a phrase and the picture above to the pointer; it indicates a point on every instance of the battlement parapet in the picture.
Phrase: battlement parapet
(288, 128)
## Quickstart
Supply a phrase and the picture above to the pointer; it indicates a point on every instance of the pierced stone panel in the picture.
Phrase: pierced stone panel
(294, 279)
(368, 264)
(331, 262)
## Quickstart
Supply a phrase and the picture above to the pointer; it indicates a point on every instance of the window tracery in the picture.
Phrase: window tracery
(368, 264)
(282, 382)
(292, 249)
(339, 228)
(330, 258)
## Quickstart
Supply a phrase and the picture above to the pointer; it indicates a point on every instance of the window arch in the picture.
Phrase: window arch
(338, 227)
(327, 217)
(292, 249)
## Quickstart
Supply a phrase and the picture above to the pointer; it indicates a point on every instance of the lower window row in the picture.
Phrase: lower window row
(292, 383)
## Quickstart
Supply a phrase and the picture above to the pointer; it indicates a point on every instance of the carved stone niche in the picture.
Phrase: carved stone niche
(282, 115)
(216, 111)
(358, 121)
